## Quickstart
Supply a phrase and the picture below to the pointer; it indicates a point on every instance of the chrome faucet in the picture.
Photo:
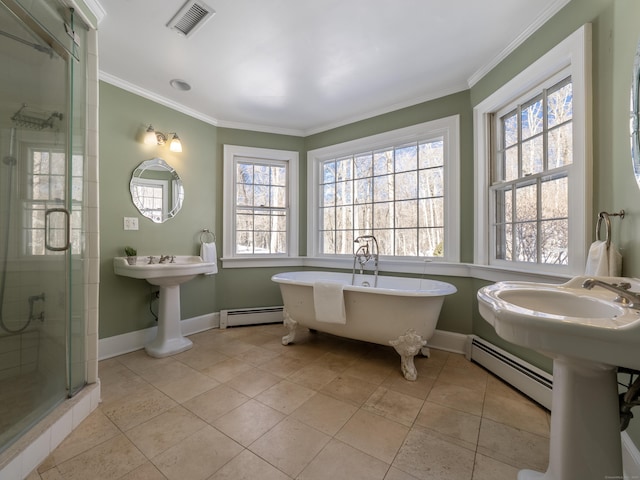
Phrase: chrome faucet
(368, 250)
(624, 296)
(164, 258)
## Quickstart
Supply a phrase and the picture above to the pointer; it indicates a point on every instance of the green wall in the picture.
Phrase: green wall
(123, 117)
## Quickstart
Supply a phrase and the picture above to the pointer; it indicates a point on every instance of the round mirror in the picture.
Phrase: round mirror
(635, 112)
(156, 190)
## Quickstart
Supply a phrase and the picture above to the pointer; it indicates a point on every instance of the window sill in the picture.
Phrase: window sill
(254, 262)
(422, 267)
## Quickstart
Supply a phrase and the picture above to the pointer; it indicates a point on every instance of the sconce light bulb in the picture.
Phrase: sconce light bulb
(150, 136)
(176, 144)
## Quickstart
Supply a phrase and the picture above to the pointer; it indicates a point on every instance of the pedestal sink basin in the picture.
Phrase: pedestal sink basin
(168, 276)
(588, 334)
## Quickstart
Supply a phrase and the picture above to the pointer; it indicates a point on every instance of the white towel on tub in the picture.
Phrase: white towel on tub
(328, 301)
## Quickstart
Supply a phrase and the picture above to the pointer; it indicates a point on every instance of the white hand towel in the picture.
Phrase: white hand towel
(328, 301)
(603, 262)
(209, 255)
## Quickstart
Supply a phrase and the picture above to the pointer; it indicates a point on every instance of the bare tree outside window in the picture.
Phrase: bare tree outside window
(261, 207)
(530, 185)
(394, 193)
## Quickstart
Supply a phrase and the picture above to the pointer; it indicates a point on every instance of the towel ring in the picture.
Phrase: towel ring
(607, 219)
(207, 236)
(604, 216)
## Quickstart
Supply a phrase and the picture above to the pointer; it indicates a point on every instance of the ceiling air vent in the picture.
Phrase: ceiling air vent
(190, 17)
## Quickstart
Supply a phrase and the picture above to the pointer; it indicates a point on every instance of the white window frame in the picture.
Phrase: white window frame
(449, 129)
(572, 57)
(229, 258)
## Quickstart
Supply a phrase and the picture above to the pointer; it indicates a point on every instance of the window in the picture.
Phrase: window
(530, 177)
(260, 203)
(400, 186)
(533, 162)
(46, 189)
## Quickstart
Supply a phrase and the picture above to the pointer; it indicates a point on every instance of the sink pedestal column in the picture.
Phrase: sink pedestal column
(169, 339)
(585, 423)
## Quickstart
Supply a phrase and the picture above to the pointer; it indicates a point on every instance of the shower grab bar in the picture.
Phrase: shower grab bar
(67, 229)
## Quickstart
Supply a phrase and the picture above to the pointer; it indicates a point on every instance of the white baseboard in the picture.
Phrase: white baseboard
(448, 341)
(132, 341)
(630, 457)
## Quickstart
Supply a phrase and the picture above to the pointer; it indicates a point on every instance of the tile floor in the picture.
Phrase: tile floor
(239, 405)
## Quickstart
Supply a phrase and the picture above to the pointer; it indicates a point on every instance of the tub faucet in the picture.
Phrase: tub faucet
(624, 296)
(368, 250)
(164, 258)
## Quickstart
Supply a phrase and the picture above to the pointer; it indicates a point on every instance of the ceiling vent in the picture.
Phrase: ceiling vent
(190, 17)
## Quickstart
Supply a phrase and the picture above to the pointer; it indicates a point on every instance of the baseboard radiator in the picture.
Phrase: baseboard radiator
(250, 316)
(530, 380)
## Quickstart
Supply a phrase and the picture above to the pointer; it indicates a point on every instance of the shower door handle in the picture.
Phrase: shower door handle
(67, 229)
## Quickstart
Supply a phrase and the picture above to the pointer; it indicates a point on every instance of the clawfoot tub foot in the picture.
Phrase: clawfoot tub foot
(291, 326)
(408, 346)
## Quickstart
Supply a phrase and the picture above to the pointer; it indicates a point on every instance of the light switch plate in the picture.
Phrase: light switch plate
(130, 223)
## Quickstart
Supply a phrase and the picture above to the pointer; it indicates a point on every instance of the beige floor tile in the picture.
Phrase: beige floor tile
(234, 347)
(470, 376)
(283, 365)
(457, 396)
(336, 361)
(248, 422)
(487, 468)
(512, 446)
(167, 373)
(110, 460)
(428, 457)
(374, 435)
(393, 405)
(395, 474)
(117, 389)
(137, 408)
(290, 446)
(200, 356)
(139, 361)
(257, 356)
(52, 474)
(520, 413)
(94, 430)
(338, 461)
(349, 389)
(146, 471)
(323, 407)
(198, 456)
(285, 396)
(314, 376)
(372, 370)
(248, 466)
(227, 369)
(165, 430)
(325, 413)
(454, 425)
(253, 382)
(215, 403)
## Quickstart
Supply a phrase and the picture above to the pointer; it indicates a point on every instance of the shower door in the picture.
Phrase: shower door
(42, 358)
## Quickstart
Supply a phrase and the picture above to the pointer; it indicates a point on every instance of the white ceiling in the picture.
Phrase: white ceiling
(303, 66)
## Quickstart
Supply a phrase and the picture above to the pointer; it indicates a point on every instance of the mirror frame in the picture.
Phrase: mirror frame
(157, 164)
(634, 123)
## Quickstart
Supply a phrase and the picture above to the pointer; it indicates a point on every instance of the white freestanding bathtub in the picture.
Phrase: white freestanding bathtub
(399, 311)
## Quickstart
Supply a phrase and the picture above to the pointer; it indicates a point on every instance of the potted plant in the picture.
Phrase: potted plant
(131, 254)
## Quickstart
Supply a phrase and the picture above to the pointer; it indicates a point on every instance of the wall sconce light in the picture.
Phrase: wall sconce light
(152, 137)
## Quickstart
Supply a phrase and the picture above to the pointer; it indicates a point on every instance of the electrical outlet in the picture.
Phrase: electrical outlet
(130, 223)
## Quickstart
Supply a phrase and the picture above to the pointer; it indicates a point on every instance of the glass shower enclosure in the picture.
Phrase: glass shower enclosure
(42, 169)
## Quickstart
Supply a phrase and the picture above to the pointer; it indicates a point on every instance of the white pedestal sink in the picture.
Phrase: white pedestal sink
(168, 276)
(588, 335)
